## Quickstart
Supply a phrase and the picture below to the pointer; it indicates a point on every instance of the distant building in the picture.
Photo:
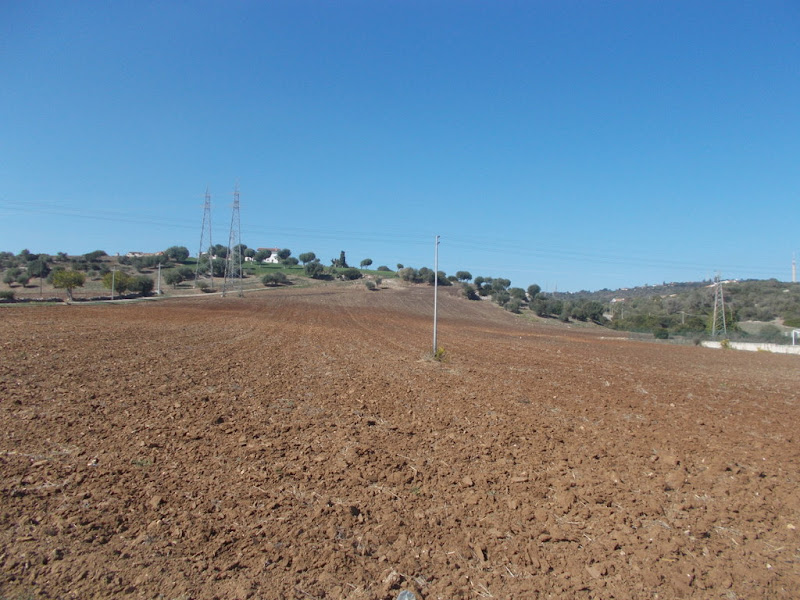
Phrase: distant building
(273, 258)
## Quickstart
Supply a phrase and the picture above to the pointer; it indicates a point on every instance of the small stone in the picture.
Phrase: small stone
(593, 571)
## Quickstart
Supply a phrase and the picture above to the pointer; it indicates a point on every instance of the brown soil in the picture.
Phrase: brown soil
(298, 444)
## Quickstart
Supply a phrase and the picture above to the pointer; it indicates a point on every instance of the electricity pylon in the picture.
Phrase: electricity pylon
(206, 228)
(233, 261)
(720, 322)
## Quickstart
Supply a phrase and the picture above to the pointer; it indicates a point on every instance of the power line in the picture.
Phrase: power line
(488, 245)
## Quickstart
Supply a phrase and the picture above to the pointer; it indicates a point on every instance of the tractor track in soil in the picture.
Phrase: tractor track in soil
(299, 444)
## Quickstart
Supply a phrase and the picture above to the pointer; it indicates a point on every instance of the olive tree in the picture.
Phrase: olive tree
(307, 257)
(273, 279)
(173, 278)
(118, 282)
(68, 279)
(314, 269)
(177, 253)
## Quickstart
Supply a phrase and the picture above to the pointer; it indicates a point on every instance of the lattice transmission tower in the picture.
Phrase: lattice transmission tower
(205, 237)
(233, 261)
(720, 322)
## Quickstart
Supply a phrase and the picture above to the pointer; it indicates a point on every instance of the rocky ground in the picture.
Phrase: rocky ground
(299, 443)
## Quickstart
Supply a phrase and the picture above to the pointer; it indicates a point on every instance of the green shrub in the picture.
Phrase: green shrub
(7, 295)
(314, 269)
(370, 285)
(513, 306)
(349, 273)
(273, 279)
(772, 333)
(142, 285)
(661, 334)
(469, 292)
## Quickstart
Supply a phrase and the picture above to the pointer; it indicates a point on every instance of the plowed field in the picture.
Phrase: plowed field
(298, 443)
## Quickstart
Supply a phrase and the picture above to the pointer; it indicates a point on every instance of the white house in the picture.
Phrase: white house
(273, 258)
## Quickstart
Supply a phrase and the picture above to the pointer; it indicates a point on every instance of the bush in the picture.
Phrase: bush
(350, 273)
(469, 292)
(370, 285)
(314, 269)
(384, 268)
(10, 276)
(7, 295)
(408, 274)
(501, 297)
(142, 285)
(121, 281)
(513, 306)
(94, 256)
(173, 278)
(186, 272)
(772, 333)
(661, 334)
(273, 279)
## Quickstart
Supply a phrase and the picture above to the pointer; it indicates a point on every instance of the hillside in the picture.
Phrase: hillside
(755, 310)
(686, 308)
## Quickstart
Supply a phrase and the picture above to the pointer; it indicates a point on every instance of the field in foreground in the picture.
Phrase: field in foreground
(298, 444)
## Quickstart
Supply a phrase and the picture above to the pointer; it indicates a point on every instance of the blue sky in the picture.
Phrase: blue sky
(581, 145)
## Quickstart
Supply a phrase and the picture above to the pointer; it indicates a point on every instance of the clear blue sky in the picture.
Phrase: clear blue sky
(581, 145)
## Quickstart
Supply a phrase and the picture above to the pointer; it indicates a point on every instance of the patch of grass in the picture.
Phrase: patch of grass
(440, 355)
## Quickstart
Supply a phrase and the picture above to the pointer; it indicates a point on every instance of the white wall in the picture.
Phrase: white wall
(754, 347)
